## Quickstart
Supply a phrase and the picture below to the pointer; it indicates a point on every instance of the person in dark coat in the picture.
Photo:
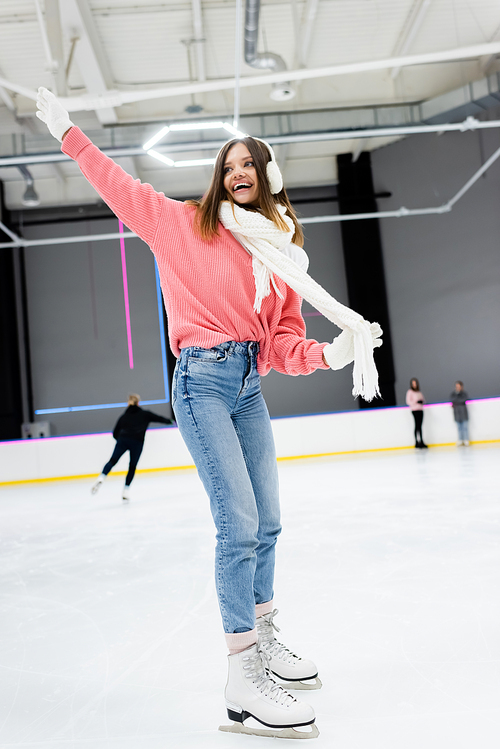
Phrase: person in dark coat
(129, 433)
(458, 401)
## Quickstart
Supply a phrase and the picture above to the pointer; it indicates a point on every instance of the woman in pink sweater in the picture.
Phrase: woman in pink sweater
(227, 328)
(415, 400)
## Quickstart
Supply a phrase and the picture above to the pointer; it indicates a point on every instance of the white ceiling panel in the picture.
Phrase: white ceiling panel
(147, 47)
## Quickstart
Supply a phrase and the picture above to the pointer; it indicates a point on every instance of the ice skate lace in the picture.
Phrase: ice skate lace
(257, 667)
(265, 629)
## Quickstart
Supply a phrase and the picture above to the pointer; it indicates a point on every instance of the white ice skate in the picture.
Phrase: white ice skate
(126, 493)
(255, 698)
(100, 480)
(290, 670)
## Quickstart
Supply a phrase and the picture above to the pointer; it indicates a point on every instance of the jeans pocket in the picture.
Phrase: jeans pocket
(208, 355)
(175, 378)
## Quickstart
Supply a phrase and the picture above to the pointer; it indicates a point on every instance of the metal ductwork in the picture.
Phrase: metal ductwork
(263, 60)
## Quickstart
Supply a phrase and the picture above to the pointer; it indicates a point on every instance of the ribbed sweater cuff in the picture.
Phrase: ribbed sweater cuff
(315, 356)
(240, 641)
(74, 142)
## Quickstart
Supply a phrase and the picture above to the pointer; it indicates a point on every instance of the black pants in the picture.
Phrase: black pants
(122, 445)
(419, 417)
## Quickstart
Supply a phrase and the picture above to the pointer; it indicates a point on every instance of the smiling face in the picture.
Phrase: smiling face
(240, 176)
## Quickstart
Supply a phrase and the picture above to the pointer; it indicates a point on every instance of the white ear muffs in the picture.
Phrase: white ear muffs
(274, 176)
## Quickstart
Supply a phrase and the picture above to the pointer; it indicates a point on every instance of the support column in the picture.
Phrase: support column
(364, 263)
(11, 414)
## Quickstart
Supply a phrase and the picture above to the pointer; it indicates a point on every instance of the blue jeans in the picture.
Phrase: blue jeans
(463, 431)
(225, 424)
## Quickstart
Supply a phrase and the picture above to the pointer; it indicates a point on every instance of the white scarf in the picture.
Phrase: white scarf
(262, 238)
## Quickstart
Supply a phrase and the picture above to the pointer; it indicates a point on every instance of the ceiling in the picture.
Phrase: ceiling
(87, 48)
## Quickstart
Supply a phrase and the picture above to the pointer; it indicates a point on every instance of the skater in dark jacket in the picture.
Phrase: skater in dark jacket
(129, 434)
(458, 401)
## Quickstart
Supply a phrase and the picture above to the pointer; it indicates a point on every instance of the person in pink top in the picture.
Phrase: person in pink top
(232, 317)
(415, 400)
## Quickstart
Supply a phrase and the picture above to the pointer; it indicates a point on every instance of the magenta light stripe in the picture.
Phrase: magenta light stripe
(125, 296)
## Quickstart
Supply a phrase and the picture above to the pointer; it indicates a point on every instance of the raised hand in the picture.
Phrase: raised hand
(52, 113)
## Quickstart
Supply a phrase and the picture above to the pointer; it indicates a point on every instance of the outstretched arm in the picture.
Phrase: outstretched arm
(137, 205)
(157, 418)
(292, 353)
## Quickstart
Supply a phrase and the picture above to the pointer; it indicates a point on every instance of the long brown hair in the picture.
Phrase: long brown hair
(416, 389)
(207, 208)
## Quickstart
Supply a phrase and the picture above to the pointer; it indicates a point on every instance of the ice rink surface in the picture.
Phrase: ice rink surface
(388, 577)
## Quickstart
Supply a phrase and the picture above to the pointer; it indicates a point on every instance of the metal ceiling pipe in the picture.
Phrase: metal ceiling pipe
(263, 60)
(468, 124)
(402, 212)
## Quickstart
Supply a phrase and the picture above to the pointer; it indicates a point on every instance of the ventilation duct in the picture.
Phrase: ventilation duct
(263, 60)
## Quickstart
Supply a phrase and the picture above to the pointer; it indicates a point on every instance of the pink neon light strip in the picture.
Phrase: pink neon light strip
(125, 297)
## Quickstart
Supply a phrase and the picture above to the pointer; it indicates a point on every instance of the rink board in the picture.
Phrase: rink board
(298, 436)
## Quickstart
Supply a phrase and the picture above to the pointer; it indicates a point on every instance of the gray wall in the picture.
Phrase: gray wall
(78, 340)
(443, 281)
(443, 272)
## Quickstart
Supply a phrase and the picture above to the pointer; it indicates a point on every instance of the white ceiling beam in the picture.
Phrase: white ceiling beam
(7, 100)
(199, 40)
(307, 28)
(410, 30)
(117, 98)
(51, 63)
(77, 21)
(487, 60)
(55, 40)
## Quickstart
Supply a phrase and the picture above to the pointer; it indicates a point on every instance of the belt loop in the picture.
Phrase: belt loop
(231, 348)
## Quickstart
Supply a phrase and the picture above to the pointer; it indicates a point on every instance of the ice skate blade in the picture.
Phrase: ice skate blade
(306, 684)
(276, 733)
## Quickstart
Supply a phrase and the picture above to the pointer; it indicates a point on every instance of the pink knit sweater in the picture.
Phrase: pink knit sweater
(208, 287)
(412, 400)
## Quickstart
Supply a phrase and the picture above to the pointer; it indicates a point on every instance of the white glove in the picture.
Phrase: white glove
(340, 353)
(52, 113)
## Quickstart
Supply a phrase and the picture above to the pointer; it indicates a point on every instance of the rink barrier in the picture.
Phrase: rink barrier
(297, 438)
(280, 460)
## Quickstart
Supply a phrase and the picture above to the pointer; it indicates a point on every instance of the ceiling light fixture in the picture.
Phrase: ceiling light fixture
(183, 127)
(30, 198)
(154, 140)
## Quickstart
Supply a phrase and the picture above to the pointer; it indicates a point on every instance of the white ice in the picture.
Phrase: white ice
(388, 577)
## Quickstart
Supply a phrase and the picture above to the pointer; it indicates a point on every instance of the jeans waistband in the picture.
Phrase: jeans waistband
(237, 347)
